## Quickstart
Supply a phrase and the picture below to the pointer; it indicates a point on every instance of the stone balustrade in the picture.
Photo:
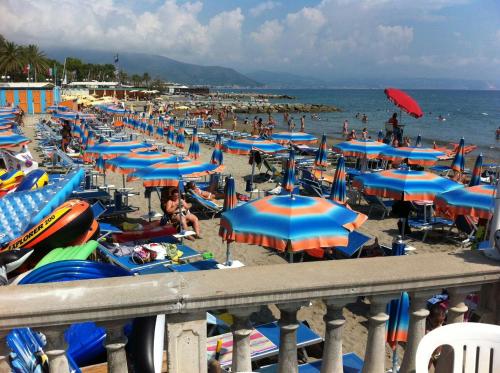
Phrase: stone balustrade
(185, 297)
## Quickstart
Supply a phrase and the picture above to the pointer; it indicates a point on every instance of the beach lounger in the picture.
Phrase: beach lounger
(271, 171)
(204, 205)
(200, 265)
(376, 203)
(352, 364)
(355, 245)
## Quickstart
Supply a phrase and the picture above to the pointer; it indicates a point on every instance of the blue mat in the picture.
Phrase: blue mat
(202, 265)
(352, 364)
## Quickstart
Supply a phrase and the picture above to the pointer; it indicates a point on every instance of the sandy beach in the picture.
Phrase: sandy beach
(356, 327)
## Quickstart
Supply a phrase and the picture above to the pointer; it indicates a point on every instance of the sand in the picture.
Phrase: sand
(355, 333)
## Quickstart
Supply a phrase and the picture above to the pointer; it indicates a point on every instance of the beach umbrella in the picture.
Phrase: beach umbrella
(150, 129)
(194, 147)
(380, 136)
(397, 324)
(9, 139)
(180, 141)
(294, 137)
(321, 154)
(217, 156)
(168, 174)
(404, 101)
(160, 133)
(245, 146)
(126, 164)
(112, 149)
(143, 126)
(288, 183)
(338, 191)
(405, 185)
(100, 165)
(477, 170)
(411, 155)
(290, 222)
(5, 127)
(367, 149)
(458, 163)
(478, 201)
(171, 134)
(418, 142)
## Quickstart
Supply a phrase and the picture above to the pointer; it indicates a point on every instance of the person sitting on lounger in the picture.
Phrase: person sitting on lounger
(202, 193)
(181, 215)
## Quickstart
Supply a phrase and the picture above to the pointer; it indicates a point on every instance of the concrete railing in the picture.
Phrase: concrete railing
(185, 297)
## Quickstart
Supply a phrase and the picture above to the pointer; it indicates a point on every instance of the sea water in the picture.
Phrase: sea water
(474, 115)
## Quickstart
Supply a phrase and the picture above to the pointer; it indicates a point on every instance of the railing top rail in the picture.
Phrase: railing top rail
(128, 297)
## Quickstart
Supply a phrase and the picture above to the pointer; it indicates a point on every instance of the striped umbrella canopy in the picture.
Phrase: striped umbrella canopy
(398, 322)
(171, 134)
(150, 129)
(380, 136)
(245, 146)
(361, 148)
(168, 174)
(406, 185)
(160, 132)
(418, 141)
(128, 163)
(338, 191)
(289, 178)
(112, 149)
(143, 126)
(6, 116)
(180, 140)
(458, 163)
(321, 153)
(412, 155)
(90, 140)
(9, 139)
(194, 147)
(290, 222)
(217, 156)
(230, 200)
(295, 137)
(100, 165)
(478, 201)
(5, 127)
(476, 172)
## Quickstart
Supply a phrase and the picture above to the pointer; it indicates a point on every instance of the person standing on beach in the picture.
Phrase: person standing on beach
(285, 117)
(396, 128)
(345, 128)
(303, 123)
(235, 122)
(254, 126)
(291, 124)
(364, 134)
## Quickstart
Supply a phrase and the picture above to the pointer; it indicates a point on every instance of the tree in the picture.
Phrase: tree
(136, 80)
(146, 79)
(37, 60)
(11, 58)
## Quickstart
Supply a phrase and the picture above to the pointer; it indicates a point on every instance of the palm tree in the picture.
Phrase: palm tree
(36, 59)
(11, 58)
(136, 79)
(146, 78)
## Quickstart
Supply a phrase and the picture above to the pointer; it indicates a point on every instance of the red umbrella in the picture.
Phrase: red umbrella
(404, 102)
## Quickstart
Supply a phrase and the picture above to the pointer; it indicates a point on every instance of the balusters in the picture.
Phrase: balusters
(288, 338)
(4, 353)
(56, 348)
(241, 330)
(115, 344)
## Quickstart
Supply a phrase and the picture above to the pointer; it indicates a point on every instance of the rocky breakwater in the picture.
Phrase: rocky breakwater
(266, 107)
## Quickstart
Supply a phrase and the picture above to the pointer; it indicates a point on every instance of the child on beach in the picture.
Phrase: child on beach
(235, 122)
(364, 134)
(345, 126)
(352, 135)
(302, 123)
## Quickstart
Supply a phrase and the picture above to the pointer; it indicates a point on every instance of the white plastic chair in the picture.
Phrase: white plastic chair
(474, 340)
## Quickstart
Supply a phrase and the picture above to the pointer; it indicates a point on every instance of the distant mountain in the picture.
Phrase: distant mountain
(273, 79)
(159, 66)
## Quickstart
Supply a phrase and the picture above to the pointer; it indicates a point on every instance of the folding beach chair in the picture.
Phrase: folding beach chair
(376, 203)
(204, 205)
(271, 171)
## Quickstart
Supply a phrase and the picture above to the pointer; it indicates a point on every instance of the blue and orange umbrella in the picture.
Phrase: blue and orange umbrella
(180, 141)
(477, 201)
(100, 165)
(477, 170)
(112, 149)
(412, 155)
(290, 222)
(338, 191)
(458, 163)
(194, 147)
(127, 164)
(150, 129)
(321, 154)
(217, 156)
(160, 133)
(90, 140)
(168, 174)
(398, 323)
(9, 139)
(289, 178)
(245, 146)
(294, 137)
(361, 148)
(171, 134)
(405, 185)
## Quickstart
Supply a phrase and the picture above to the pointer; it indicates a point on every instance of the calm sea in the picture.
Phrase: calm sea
(474, 115)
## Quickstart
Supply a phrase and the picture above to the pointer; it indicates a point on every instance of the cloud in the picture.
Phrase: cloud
(395, 36)
(263, 7)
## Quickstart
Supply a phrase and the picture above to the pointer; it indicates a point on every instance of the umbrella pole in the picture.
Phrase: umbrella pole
(253, 171)
(395, 359)
(228, 254)
(123, 180)
(149, 207)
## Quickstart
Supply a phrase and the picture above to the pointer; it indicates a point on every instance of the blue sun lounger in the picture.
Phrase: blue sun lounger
(356, 242)
(352, 364)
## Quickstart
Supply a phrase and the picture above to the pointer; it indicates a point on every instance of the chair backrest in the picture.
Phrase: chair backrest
(474, 346)
(204, 202)
(269, 166)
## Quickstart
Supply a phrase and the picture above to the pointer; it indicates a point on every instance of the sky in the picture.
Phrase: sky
(329, 39)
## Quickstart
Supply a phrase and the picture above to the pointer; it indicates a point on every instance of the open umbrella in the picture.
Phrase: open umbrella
(338, 191)
(217, 156)
(405, 185)
(321, 154)
(458, 163)
(478, 201)
(404, 101)
(10, 139)
(289, 178)
(180, 141)
(194, 147)
(128, 163)
(368, 149)
(112, 149)
(293, 137)
(412, 155)
(245, 146)
(290, 222)
(476, 172)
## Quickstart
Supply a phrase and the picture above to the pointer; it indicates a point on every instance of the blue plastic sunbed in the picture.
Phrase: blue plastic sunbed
(356, 242)
(352, 364)
(202, 265)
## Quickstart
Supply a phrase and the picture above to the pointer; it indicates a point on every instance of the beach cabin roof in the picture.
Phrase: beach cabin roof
(26, 85)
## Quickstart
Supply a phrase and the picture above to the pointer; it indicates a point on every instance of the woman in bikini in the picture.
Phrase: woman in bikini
(181, 215)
